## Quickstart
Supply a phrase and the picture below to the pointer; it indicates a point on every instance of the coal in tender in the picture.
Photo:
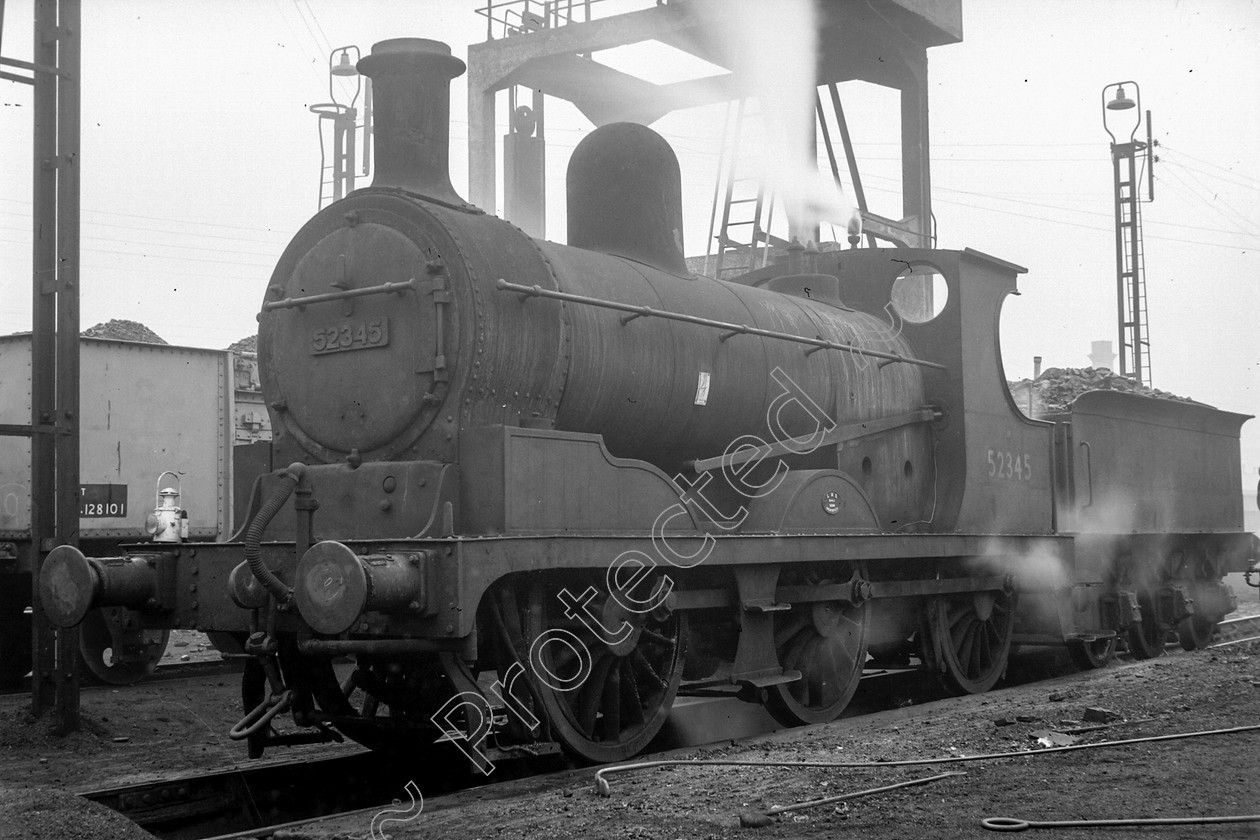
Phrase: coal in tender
(1054, 390)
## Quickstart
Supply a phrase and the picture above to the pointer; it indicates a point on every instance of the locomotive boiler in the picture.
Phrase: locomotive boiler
(534, 489)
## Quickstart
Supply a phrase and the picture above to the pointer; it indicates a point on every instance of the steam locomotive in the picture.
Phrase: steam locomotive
(536, 488)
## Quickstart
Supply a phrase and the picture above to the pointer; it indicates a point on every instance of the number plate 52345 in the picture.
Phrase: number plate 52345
(350, 335)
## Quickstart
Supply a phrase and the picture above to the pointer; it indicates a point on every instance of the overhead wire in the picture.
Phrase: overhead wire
(1233, 183)
(273, 254)
(297, 41)
(27, 203)
(937, 190)
(1216, 199)
(141, 255)
(321, 42)
(1176, 151)
(1145, 222)
(1219, 208)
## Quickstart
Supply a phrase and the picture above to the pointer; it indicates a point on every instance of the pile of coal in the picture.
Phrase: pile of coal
(121, 330)
(248, 344)
(1054, 390)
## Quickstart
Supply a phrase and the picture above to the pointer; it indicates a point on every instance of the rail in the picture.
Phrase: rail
(255, 796)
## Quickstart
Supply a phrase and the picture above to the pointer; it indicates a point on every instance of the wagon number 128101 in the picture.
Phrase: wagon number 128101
(1010, 465)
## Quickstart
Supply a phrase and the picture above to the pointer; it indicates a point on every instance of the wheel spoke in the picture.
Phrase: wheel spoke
(970, 657)
(624, 699)
(974, 648)
(790, 626)
(644, 668)
(966, 648)
(630, 699)
(824, 683)
(982, 659)
(830, 661)
(849, 625)
(611, 704)
(790, 657)
(656, 638)
(591, 695)
(567, 661)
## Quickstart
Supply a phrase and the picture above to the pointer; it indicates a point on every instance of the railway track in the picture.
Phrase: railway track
(881, 702)
(226, 801)
(257, 800)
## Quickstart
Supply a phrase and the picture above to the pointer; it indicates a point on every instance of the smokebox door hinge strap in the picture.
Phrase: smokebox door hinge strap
(441, 299)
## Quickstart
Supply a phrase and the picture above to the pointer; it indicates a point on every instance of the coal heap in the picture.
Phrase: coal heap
(248, 344)
(121, 330)
(1054, 390)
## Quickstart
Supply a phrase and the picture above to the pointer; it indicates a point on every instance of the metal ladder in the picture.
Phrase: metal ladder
(1135, 346)
(744, 214)
(743, 209)
(336, 170)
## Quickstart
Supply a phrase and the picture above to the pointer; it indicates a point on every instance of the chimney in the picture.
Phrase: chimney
(1101, 355)
(411, 80)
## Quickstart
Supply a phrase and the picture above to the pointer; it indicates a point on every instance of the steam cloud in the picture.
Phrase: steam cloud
(774, 47)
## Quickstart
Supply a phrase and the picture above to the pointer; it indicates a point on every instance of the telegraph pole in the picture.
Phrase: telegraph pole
(54, 428)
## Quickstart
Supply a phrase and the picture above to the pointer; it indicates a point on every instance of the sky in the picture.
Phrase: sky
(200, 159)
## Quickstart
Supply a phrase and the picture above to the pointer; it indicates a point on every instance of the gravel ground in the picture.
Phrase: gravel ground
(1185, 778)
(157, 730)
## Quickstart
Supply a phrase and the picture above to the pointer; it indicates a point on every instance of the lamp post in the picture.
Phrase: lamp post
(1130, 269)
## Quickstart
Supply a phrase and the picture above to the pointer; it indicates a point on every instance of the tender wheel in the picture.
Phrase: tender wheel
(1095, 654)
(1195, 633)
(826, 642)
(101, 661)
(1146, 638)
(1202, 575)
(605, 702)
(966, 639)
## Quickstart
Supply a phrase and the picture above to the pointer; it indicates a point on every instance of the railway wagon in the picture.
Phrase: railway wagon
(155, 417)
(534, 490)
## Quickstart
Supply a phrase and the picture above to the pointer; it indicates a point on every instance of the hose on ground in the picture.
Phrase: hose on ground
(1009, 824)
(603, 787)
(253, 537)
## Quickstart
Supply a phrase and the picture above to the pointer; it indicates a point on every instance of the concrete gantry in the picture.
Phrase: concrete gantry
(880, 41)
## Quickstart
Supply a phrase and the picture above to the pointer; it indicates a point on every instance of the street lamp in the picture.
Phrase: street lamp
(1118, 103)
(343, 66)
(340, 174)
(1130, 268)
